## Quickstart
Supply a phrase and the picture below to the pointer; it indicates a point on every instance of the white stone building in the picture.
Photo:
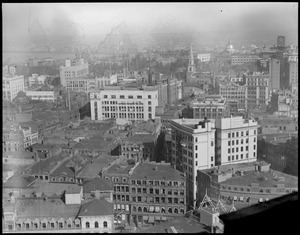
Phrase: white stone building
(236, 140)
(124, 103)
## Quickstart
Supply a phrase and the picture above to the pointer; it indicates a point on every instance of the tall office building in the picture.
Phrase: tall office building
(129, 103)
(280, 42)
(193, 148)
(293, 75)
(11, 86)
(236, 140)
(274, 71)
(258, 90)
(74, 76)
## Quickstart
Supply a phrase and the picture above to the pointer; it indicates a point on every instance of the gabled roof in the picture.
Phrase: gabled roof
(96, 207)
(97, 183)
(18, 181)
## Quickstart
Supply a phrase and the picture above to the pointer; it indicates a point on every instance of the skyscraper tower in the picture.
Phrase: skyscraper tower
(191, 67)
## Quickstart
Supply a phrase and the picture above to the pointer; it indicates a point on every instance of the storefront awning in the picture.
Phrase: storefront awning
(163, 218)
(157, 218)
(241, 199)
(145, 217)
(151, 219)
(267, 199)
(235, 198)
(261, 200)
(156, 209)
(151, 209)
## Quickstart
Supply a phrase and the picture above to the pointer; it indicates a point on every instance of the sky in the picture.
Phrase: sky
(98, 18)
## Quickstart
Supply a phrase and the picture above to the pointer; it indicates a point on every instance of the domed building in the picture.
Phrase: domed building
(229, 47)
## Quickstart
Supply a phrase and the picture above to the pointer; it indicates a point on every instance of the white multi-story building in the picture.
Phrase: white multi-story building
(42, 95)
(203, 57)
(106, 81)
(193, 148)
(11, 86)
(36, 79)
(238, 59)
(293, 75)
(236, 140)
(210, 106)
(123, 102)
(72, 72)
(81, 84)
(234, 92)
(257, 90)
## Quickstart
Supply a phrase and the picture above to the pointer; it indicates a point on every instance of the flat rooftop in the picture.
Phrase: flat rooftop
(157, 171)
(264, 179)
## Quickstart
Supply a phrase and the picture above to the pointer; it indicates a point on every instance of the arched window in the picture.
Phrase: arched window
(287, 191)
(170, 210)
(145, 209)
(176, 211)
(182, 211)
(96, 224)
(261, 190)
(248, 189)
(163, 210)
(242, 189)
(104, 224)
(139, 209)
(134, 208)
(229, 188)
(87, 225)
(235, 189)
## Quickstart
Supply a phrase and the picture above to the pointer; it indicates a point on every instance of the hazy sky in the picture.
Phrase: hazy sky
(99, 18)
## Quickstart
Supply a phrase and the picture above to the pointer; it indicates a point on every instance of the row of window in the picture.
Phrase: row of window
(231, 158)
(237, 134)
(242, 149)
(242, 141)
(158, 183)
(153, 209)
(145, 199)
(123, 97)
(126, 115)
(106, 102)
(125, 108)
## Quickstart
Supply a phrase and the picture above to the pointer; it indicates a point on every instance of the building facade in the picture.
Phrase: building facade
(293, 75)
(73, 70)
(11, 86)
(210, 106)
(257, 90)
(157, 191)
(236, 140)
(234, 92)
(274, 71)
(42, 95)
(244, 184)
(243, 58)
(124, 103)
(193, 148)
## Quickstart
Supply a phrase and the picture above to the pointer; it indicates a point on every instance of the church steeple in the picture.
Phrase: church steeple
(191, 67)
